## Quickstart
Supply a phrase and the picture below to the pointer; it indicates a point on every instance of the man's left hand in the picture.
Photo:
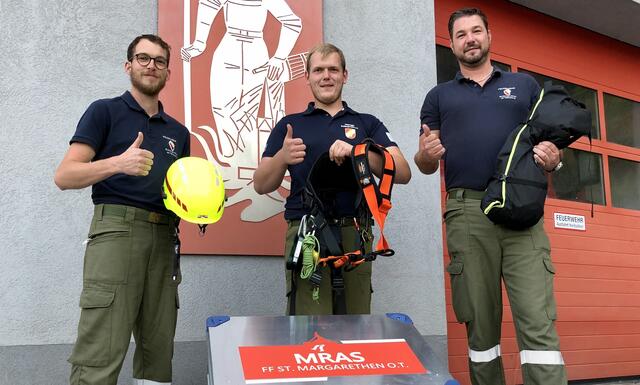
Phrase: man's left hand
(339, 150)
(546, 155)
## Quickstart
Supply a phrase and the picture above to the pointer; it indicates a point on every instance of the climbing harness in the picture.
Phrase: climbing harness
(318, 241)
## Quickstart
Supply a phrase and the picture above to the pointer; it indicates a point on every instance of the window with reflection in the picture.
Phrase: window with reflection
(622, 117)
(582, 94)
(625, 183)
(580, 179)
(447, 64)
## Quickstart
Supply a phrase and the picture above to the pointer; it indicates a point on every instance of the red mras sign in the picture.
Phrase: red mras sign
(321, 358)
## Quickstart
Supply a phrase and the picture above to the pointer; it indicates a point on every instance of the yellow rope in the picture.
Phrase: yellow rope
(310, 257)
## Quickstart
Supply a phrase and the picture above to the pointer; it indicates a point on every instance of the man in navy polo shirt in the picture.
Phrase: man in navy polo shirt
(123, 148)
(295, 143)
(470, 118)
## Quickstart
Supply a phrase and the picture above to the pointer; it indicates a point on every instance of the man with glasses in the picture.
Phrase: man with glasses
(123, 147)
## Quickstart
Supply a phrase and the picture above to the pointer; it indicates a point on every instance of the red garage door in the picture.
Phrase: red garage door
(598, 268)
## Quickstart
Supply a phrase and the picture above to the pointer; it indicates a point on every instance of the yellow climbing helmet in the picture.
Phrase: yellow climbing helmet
(194, 191)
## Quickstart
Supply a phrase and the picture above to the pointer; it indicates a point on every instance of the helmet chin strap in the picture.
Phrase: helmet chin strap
(176, 250)
(203, 226)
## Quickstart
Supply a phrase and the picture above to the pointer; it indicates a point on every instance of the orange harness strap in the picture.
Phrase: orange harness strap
(351, 259)
(378, 196)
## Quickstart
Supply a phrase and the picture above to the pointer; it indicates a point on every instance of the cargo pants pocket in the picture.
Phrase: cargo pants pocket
(550, 302)
(542, 246)
(459, 297)
(106, 258)
(93, 346)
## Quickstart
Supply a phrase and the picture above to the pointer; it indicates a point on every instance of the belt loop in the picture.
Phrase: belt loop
(130, 214)
(460, 195)
(97, 211)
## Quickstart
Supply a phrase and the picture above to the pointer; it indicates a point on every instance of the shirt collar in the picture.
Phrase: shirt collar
(495, 72)
(311, 109)
(133, 104)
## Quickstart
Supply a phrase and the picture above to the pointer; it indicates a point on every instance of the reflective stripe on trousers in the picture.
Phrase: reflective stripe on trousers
(485, 355)
(534, 357)
(541, 357)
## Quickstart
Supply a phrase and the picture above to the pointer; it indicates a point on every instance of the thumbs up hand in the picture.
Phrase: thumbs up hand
(135, 161)
(430, 146)
(293, 149)
(136, 143)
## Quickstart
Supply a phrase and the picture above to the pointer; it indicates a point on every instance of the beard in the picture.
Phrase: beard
(474, 61)
(149, 89)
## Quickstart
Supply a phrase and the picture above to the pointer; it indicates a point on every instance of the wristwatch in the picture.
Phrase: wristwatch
(558, 167)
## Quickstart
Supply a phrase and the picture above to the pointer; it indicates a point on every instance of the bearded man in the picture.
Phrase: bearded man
(123, 147)
(470, 117)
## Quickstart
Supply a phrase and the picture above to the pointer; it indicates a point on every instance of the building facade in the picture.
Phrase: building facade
(60, 56)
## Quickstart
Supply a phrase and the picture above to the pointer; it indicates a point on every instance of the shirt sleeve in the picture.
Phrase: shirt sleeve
(93, 126)
(430, 112)
(186, 149)
(274, 142)
(379, 133)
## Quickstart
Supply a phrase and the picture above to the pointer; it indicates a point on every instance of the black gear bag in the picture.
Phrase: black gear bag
(516, 193)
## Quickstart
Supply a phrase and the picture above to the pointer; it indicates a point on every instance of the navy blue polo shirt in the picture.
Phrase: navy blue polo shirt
(110, 126)
(474, 122)
(319, 131)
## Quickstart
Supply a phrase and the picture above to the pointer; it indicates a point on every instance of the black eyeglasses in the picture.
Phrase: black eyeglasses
(143, 59)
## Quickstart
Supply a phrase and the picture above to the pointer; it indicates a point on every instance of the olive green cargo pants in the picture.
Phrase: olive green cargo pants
(357, 282)
(127, 287)
(483, 255)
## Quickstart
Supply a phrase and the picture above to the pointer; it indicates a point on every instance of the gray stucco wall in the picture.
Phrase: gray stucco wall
(59, 56)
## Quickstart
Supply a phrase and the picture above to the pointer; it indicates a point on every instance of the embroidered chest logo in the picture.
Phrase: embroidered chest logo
(350, 131)
(506, 93)
(170, 149)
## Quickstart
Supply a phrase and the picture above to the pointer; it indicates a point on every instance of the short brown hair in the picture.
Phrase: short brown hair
(325, 49)
(152, 38)
(465, 12)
